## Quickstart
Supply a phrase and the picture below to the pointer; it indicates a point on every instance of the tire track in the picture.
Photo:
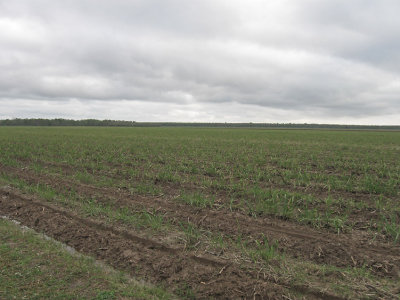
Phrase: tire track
(324, 248)
(125, 250)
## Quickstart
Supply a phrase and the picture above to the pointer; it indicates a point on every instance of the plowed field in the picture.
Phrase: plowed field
(217, 213)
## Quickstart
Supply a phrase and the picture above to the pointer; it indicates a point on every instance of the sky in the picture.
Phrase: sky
(298, 61)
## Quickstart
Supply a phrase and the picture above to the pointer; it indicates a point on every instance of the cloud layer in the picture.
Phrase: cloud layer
(170, 60)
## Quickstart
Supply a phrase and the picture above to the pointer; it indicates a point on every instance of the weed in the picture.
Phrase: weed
(197, 199)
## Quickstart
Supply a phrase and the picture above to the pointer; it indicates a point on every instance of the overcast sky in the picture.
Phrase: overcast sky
(335, 61)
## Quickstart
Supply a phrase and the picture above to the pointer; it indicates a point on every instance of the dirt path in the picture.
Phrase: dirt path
(342, 250)
(125, 250)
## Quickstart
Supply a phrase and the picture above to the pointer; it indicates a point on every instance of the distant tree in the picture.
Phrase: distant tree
(117, 123)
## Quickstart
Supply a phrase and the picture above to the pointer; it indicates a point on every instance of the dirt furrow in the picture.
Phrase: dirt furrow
(298, 241)
(142, 257)
(314, 189)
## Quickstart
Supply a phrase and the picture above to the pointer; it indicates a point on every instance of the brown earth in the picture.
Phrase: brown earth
(155, 262)
(298, 241)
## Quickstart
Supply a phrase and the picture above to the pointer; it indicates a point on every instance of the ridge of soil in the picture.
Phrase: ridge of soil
(314, 190)
(297, 240)
(125, 250)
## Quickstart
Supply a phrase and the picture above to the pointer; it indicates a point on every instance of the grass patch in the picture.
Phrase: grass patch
(197, 199)
(38, 268)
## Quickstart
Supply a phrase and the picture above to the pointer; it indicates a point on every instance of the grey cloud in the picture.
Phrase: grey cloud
(321, 58)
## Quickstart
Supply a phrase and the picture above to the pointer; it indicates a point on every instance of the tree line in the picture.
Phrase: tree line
(65, 122)
(117, 123)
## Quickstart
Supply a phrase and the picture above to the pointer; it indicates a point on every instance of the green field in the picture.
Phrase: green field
(315, 211)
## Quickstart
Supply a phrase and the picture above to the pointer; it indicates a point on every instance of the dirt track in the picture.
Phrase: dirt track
(207, 275)
(300, 241)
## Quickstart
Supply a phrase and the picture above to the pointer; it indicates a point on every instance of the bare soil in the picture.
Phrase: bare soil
(207, 276)
(174, 266)
(300, 241)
